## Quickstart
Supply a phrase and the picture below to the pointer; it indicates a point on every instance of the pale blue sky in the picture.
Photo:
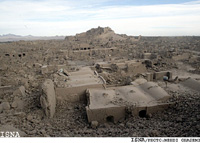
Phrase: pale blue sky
(132, 17)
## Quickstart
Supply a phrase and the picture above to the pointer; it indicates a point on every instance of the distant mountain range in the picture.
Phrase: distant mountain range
(12, 37)
(101, 34)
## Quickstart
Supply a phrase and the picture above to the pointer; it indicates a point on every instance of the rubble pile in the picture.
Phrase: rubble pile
(44, 85)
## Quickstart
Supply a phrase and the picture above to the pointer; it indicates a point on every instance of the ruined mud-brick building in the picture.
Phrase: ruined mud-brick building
(112, 104)
(76, 84)
(83, 50)
(158, 75)
(131, 67)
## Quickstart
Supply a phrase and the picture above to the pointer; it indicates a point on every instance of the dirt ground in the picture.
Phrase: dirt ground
(182, 119)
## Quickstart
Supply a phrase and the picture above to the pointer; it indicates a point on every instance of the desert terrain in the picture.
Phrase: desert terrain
(79, 86)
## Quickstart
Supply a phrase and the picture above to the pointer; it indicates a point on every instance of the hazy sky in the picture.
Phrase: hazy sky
(68, 17)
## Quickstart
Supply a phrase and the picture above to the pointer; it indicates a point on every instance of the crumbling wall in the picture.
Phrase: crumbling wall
(150, 109)
(146, 55)
(115, 103)
(149, 76)
(159, 107)
(136, 110)
(158, 75)
(184, 56)
(75, 94)
(102, 115)
(136, 68)
(48, 98)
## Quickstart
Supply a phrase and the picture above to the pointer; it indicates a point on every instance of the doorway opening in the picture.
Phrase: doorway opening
(110, 119)
(143, 113)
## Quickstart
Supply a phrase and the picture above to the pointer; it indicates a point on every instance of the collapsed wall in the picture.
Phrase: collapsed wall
(48, 98)
(131, 67)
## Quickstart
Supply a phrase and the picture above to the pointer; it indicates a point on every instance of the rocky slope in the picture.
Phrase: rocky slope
(99, 34)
